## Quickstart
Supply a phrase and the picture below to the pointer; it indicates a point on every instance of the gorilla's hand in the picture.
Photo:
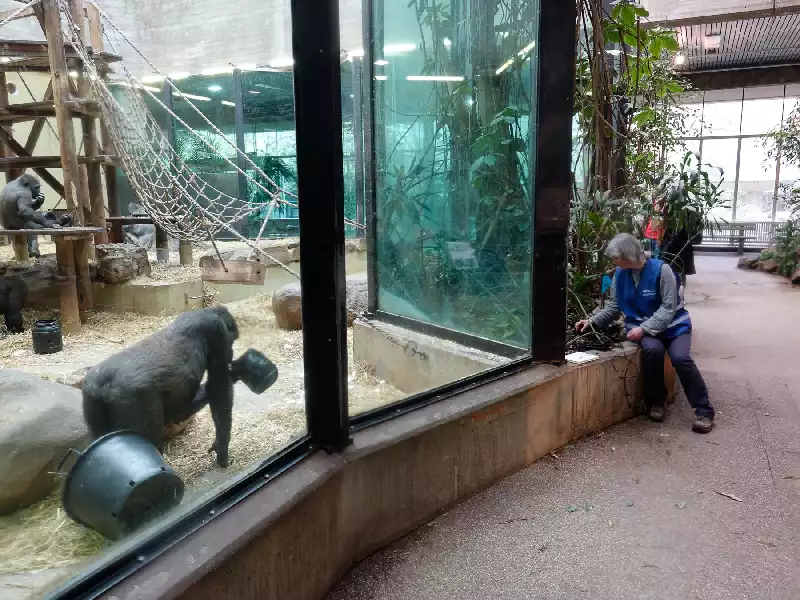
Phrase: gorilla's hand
(222, 457)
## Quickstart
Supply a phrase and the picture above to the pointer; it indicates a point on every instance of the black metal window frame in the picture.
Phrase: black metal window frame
(317, 81)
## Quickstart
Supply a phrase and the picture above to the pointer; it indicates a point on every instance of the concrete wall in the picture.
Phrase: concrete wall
(298, 535)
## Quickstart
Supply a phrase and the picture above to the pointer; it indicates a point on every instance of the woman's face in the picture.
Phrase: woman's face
(627, 264)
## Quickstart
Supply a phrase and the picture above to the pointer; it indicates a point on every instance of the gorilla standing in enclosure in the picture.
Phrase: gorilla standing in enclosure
(20, 201)
(13, 293)
(156, 382)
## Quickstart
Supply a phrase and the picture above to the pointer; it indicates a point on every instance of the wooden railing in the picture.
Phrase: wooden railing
(758, 234)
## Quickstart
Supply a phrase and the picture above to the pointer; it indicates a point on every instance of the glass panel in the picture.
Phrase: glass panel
(756, 188)
(762, 115)
(721, 156)
(163, 311)
(453, 92)
(692, 103)
(678, 153)
(722, 118)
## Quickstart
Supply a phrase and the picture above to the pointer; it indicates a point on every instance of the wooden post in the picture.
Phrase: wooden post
(20, 242)
(162, 245)
(83, 282)
(70, 312)
(93, 184)
(61, 96)
(112, 193)
(185, 251)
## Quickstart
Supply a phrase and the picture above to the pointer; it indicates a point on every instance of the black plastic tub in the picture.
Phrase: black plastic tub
(47, 338)
(255, 370)
(119, 484)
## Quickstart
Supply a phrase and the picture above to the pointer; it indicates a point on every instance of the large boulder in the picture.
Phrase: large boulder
(287, 308)
(39, 422)
(747, 262)
(118, 263)
(770, 266)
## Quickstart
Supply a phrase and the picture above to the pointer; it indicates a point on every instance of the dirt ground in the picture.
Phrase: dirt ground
(41, 542)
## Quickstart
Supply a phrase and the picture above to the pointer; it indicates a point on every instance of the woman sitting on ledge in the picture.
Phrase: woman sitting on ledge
(649, 294)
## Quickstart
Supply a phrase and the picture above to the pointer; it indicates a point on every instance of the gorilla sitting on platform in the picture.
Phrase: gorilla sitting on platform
(20, 201)
(13, 294)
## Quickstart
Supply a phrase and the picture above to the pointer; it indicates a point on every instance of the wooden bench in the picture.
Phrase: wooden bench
(737, 233)
(73, 245)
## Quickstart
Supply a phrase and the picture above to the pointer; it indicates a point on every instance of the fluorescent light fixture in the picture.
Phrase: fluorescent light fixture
(526, 49)
(254, 92)
(152, 79)
(217, 71)
(447, 43)
(435, 78)
(381, 63)
(73, 73)
(282, 62)
(399, 48)
(381, 77)
(215, 88)
(192, 97)
(679, 60)
(228, 103)
(470, 101)
(504, 66)
(179, 75)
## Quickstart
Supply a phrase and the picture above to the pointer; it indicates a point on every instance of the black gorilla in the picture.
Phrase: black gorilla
(156, 382)
(13, 294)
(20, 200)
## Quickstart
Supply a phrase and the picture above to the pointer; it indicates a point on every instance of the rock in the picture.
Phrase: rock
(118, 263)
(747, 263)
(74, 378)
(286, 306)
(796, 277)
(39, 422)
(357, 293)
(37, 275)
(287, 309)
(769, 266)
(744, 263)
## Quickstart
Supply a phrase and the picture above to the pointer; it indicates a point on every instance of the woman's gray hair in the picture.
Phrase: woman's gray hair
(626, 247)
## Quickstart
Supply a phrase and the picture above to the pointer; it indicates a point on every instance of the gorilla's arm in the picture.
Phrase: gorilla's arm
(30, 215)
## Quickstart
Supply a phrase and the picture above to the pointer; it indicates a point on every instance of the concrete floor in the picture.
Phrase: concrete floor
(637, 511)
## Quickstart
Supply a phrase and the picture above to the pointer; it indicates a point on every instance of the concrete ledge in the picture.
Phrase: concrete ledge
(297, 536)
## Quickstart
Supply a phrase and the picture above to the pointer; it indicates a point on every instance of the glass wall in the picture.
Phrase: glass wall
(730, 133)
(453, 140)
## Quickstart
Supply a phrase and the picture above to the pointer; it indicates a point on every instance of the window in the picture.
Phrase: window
(453, 148)
(422, 152)
(756, 188)
(720, 156)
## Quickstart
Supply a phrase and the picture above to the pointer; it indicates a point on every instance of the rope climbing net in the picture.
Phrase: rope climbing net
(178, 199)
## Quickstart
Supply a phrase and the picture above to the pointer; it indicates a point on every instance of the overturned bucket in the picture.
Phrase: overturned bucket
(255, 370)
(119, 484)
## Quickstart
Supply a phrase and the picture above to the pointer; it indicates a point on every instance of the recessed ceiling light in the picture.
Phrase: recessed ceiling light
(215, 88)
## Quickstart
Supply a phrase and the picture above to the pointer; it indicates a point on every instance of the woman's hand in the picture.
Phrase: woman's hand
(582, 325)
(636, 334)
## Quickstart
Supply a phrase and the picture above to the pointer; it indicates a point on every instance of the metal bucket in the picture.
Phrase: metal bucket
(255, 370)
(118, 484)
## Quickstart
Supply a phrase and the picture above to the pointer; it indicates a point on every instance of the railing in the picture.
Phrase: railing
(758, 234)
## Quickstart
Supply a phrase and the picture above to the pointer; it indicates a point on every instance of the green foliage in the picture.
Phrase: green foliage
(786, 245)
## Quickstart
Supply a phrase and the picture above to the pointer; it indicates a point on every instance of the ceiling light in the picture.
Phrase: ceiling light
(228, 103)
(192, 96)
(254, 92)
(216, 71)
(381, 77)
(381, 63)
(447, 43)
(435, 78)
(215, 88)
(504, 66)
(399, 48)
(73, 73)
(679, 60)
(526, 49)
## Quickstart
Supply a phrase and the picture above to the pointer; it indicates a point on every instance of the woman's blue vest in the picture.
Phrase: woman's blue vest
(639, 303)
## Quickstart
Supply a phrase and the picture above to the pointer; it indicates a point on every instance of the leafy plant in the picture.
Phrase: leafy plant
(786, 245)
